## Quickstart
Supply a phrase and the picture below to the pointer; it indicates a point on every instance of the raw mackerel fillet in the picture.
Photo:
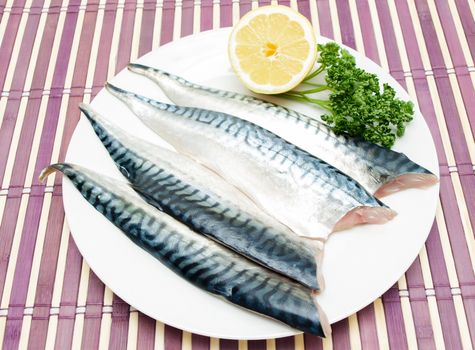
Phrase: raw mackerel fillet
(194, 257)
(207, 204)
(308, 195)
(378, 169)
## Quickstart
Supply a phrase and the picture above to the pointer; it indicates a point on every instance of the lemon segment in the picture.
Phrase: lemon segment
(272, 49)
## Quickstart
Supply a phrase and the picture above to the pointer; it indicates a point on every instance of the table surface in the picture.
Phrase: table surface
(57, 53)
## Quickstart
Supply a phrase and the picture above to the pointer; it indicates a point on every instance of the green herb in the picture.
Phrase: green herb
(356, 105)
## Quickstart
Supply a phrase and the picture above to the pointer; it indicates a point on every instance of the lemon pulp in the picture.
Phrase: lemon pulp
(272, 49)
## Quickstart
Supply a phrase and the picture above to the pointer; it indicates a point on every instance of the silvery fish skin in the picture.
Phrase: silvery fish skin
(195, 258)
(306, 194)
(207, 204)
(380, 170)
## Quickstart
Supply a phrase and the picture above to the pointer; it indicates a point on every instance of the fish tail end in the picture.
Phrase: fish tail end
(86, 110)
(52, 169)
(115, 90)
(82, 106)
(146, 70)
(124, 95)
(140, 68)
(137, 67)
(98, 123)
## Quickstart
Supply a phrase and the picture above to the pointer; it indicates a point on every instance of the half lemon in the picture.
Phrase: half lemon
(272, 49)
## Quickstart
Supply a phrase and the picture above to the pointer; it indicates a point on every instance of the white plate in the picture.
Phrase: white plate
(359, 264)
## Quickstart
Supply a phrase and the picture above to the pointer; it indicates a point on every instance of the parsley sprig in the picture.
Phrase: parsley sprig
(356, 104)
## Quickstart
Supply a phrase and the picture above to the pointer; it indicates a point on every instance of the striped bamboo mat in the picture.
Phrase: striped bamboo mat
(56, 53)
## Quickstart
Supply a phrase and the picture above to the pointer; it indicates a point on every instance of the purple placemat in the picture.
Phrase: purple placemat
(55, 54)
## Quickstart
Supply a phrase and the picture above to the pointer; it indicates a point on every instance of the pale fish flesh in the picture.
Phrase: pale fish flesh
(308, 195)
(199, 260)
(380, 170)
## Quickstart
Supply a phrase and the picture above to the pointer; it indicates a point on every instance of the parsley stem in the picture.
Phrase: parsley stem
(292, 95)
(312, 84)
(315, 90)
(315, 73)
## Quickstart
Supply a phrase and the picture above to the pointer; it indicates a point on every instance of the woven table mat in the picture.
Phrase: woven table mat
(57, 53)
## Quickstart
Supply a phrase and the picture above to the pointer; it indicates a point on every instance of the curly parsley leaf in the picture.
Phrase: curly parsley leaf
(357, 105)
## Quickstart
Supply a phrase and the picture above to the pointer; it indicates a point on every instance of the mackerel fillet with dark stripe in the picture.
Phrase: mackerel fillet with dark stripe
(197, 259)
(380, 170)
(305, 193)
(207, 204)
